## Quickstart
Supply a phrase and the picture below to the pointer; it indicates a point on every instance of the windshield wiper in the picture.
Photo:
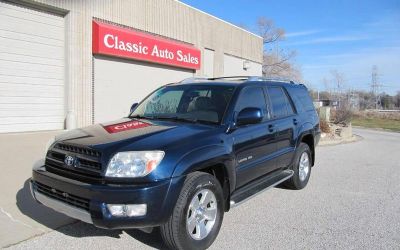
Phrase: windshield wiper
(142, 117)
(177, 118)
(206, 122)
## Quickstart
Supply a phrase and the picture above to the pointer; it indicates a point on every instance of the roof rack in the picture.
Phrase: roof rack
(231, 78)
(193, 79)
(239, 78)
(275, 79)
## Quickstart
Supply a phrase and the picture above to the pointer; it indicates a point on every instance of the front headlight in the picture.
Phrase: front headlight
(134, 163)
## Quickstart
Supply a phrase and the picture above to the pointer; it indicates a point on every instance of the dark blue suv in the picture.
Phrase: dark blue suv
(186, 154)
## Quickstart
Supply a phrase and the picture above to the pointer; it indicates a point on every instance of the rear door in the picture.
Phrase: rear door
(285, 122)
(254, 144)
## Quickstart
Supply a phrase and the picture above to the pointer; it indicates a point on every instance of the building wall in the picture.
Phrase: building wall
(208, 63)
(235, 66)
(168, 18)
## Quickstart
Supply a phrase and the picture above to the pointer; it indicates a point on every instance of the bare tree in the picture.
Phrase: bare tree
(338, 80)
(338, 86)
(276, 62)
(328, 88)
(268, 31)
(397, 100)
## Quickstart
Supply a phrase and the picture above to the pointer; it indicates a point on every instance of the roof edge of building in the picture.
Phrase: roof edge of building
(219, 19)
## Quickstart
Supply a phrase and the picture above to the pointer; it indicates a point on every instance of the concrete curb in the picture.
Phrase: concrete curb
(377, 129)
(354, 138)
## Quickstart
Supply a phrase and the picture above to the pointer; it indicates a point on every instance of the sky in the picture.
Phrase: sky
(350, 36)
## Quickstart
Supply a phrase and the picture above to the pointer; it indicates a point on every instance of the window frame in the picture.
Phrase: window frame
(294, 113)
(267, 115)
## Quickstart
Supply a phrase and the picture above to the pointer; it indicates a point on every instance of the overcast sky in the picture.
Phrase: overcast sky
(348, 36)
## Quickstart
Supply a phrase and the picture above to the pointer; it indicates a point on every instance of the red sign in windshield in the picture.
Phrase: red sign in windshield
(119, 127)
(122, 42)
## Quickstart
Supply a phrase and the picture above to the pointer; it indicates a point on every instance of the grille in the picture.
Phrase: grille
(78, 150)
(73, 200)
(86, 166)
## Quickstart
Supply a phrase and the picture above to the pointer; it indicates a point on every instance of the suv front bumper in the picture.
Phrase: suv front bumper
(88, 202)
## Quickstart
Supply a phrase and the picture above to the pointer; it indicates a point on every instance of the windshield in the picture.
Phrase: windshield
(194, 103)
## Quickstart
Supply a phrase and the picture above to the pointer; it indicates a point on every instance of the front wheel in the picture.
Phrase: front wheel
(197, 215)
(301, 168)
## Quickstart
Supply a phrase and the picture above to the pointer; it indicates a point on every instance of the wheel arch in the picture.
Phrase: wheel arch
(220, 172)
(214, 160)
(308, 138)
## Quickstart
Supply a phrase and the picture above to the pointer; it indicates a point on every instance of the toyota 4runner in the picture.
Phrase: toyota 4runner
(186, 154)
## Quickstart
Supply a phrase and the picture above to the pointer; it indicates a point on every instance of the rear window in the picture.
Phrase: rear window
(301, 97)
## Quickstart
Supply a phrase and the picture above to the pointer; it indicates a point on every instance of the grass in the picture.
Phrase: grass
(375, 122)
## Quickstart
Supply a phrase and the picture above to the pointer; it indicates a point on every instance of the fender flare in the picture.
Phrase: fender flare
(306, 130)
(207, 156)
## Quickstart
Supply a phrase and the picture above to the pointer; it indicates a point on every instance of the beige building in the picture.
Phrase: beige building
(72, 63)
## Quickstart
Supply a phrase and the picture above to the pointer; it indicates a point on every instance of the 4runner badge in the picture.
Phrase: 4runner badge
(69, 160)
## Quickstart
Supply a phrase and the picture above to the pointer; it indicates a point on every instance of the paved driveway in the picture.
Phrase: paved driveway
(352, 202)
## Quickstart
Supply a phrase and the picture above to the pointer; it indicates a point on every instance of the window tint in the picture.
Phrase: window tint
(304, 98)
(251, 97)
(280, 103)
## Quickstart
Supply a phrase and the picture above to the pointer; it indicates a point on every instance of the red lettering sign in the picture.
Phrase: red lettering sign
(122, 42)
(119, 127)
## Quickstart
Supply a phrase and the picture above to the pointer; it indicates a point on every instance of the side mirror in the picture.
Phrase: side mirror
(133, 107)
(249, 116)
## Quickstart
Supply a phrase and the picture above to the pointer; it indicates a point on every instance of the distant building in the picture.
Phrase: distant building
(326, 103)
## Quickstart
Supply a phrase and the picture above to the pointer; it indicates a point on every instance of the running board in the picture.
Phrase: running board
(258, 186)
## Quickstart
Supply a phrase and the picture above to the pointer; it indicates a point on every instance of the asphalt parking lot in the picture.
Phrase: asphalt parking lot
(352, 202)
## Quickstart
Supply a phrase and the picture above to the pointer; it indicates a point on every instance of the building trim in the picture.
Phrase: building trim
(48, 9)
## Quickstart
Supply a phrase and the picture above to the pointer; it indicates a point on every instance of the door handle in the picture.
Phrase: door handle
(271, 128)
(295, 122)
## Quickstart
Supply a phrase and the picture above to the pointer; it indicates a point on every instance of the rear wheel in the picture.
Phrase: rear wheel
(198, 214)
(301, 168)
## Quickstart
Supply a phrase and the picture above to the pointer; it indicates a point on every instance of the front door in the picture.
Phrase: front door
(254, 144)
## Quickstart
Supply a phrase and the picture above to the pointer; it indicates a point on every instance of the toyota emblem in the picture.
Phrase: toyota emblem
(69, 160)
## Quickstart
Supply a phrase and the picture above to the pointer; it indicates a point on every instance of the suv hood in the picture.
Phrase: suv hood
(138, 134)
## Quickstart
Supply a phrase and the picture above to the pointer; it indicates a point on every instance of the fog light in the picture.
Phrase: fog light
(127, 210)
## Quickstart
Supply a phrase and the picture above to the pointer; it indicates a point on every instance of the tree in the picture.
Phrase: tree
(276, 62)
(328, 89)
(338, 81)
(397, 100)
(387, 101)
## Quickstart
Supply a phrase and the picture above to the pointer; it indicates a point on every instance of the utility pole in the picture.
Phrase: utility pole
(375, 87)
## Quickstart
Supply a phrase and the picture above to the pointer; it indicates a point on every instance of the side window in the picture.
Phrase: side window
(305, 99)
(280, 102)
(252, 97)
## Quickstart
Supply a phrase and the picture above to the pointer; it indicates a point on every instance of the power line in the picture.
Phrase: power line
(375, 88)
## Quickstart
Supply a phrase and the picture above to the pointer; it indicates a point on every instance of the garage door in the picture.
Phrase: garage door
(31, 70)
(119, 83)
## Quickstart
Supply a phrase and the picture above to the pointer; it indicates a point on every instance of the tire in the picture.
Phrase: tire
(175, 232)
(300, 176)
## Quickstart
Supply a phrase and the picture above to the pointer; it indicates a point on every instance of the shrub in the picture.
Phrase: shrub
(324, 126)
(342, 116)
